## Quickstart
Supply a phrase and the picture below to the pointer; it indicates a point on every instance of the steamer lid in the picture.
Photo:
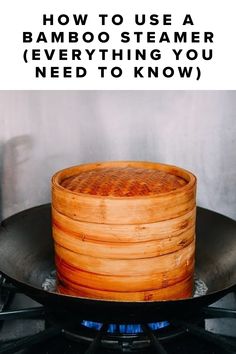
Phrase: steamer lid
(128, 181)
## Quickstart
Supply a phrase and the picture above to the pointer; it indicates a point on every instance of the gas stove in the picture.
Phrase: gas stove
(28, 327)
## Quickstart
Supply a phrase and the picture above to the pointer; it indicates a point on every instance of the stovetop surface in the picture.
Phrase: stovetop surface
(185, 345)
(189, 342)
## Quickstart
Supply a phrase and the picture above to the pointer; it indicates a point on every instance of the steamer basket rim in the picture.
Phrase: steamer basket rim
(188, 176)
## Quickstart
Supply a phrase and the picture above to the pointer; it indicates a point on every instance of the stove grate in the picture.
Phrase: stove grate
(154, 339)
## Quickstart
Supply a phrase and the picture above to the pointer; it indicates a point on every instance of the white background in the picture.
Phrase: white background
(44, 131)
(208, 15)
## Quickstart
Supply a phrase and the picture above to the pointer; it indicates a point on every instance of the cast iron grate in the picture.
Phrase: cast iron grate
(92, 341)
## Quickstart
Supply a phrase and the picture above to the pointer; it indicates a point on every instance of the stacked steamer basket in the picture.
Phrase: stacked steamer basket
(124, 231)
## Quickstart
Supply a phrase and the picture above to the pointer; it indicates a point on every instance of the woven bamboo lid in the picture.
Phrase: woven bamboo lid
(123, 192)
(127, 181)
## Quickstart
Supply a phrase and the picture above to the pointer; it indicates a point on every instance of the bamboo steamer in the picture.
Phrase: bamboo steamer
(124, 231)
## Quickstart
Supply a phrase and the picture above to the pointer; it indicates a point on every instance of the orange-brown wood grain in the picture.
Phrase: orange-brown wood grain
(124, 233)
(177, 291)
(123, 210)
(123, 250)
(136, 244)
(127, 267)
(124, 283)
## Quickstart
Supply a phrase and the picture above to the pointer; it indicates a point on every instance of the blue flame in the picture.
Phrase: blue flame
(124, 328)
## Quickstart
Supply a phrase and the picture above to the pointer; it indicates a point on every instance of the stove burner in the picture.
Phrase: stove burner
(125, 328)
(121, 338)
(173, 337)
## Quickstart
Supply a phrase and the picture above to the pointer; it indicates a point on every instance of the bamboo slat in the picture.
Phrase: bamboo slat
(124, 230)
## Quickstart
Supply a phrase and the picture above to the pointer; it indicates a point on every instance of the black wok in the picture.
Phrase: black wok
(27, 257)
